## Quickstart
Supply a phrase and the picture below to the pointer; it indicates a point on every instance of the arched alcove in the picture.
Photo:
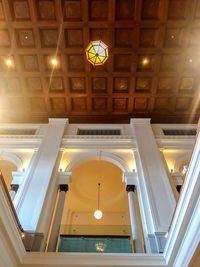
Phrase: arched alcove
(13, 158)
(82, 196)
(7, 168)
(102, 156)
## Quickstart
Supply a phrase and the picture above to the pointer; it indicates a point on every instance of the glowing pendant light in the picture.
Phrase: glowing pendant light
(97, 53)
(98, 213)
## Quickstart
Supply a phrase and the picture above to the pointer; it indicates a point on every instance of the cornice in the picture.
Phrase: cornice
(82, 141)
(93, 259)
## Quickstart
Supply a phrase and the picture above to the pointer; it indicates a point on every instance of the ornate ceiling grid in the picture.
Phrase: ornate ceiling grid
(166, 33)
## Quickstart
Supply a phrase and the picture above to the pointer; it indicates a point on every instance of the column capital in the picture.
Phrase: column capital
(64, 177)
(63, 187)
(130, 188)
(17, 177)
(140, 121)
(177, 177)
(14, 187)
(129, 178)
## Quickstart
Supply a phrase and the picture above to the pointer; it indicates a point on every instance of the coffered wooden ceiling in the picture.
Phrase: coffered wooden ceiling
(164, 32)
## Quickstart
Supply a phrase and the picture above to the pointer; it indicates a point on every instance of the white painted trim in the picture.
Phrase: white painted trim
(184, 235)
(58, 121)
(130, 178)
(64, 177)
(93, 259)
(4, 155)
(76, 141)
(8, 224)
(110, 157)
(18, 177)
(175, 142)
(140, 121)
(21, 141)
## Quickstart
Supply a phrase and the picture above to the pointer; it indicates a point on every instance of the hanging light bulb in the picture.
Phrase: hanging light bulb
(98, 213)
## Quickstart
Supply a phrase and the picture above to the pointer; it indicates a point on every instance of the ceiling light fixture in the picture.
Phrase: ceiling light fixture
(9, 62)
(54, 62)
(145, 61)
(98, 213)
(100, 247)
(97, 53)
(22, 235)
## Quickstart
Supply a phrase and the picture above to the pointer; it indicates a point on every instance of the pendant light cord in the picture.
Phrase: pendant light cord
(98, 195)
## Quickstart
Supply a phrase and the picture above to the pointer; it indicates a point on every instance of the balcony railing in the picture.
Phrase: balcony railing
(98, 244)
(31, 240)
(95, 238)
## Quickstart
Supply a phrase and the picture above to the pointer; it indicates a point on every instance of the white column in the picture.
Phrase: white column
(65, 178)
(47, 210)
(156, 193)
(131, 180)
(37, 182)
(134, 219)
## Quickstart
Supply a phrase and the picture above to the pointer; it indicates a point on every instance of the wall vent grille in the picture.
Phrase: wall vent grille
(99, 132)
(17, 131)
(179, 132)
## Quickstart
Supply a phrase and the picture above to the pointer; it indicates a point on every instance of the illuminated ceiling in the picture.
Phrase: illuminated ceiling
(152, 69)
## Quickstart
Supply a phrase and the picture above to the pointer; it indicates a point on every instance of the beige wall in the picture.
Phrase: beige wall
(195, 262)
(7, 168)
(81, 200)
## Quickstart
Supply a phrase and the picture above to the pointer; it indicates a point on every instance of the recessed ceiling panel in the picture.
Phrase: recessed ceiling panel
(152, 69)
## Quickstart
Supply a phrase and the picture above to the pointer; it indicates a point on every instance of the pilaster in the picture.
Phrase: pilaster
(40, 175)
(156, 192)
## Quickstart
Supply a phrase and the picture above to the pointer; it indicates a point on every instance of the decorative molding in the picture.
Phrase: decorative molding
(177, 178)
(140, 121)
(64, 178)
(21, 141)
(78, 141)
(129, 178)
(184, 234)
(130, 188)
(110, 157)
(93, 141)
(4, 155)
(11, 234)
(175, 142)
(58, 121)
(93, 259)
(64, 187)
(17, 177)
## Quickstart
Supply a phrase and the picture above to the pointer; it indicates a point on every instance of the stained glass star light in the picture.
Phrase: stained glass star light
(97, 53)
